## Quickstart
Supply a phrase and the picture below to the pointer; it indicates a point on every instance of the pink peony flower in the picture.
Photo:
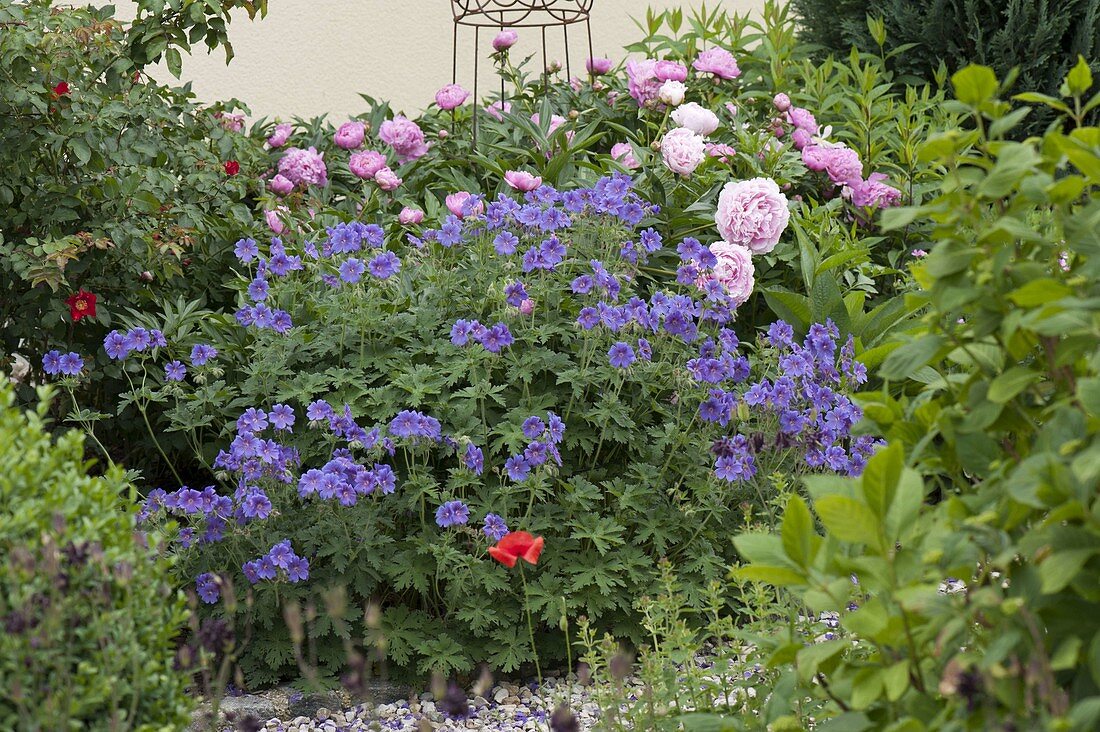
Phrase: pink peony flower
(366, 164)
(231, 122)
(387, 180)
(521, 180)
(280, 185)
(456, 204)
(717, 62)
(275, 221)
(280, 135)
(699, 120)
(734, 270)
(672, 93)
(840, 162)
(497, 107)
(409, 216)
(670, 71)
(304, 167)
(781, 102)
(802, 119)
(725, 153)
(598, 66)
(642, 81)
(556, 121)
(731, 108)
(683, 151)
(752, 213)
(350, 135)
(451, 97)
(527, 306)
(874, 193)
(505, 40)
(800, 139)
(624, 153)
(405, 137)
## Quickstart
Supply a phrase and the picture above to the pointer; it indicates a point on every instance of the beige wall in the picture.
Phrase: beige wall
(314, 56)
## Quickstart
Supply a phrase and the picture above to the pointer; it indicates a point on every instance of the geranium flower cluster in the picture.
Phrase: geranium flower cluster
(279, 562)
(56, 363)
(804, 409)
(545, 438)
(119, 345)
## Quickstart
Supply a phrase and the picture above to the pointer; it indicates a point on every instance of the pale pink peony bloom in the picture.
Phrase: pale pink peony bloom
(387, 180)
(275, 221)
(642, 82)
(734, 270)
(556, 121)
(443, 134)
(731, 108)
(304, 167)
(366, 164)
(451, 97)
(874, 193)
(410, 216)
(527, 306)
(672, 93)
(839, 161)
(918, 253)
(717, 62)
(521, 180)
(505, 40)
(624, 153)
(752, 213)
(405, 137)
(670, 71)
(725, 153)
(350, 135)
(280, 135)
(699, 120)
(231, 122)
(497, 107)
(781, 102)
(280, 185)
(456, 203)
(598, 66)
(802, 119)
(683, 151)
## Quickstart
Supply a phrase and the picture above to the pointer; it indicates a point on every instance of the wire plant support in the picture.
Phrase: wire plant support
(499, 15)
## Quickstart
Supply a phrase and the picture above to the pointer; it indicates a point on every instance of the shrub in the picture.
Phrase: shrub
(963, 566)
(114, 185)
(1039, 39)
(89, 616)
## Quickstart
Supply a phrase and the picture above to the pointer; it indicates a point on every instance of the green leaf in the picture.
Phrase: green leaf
(906, 360)
(173, 61)
(798, 532)
(1079, 79)
(880, 478)
(1039, 292)
(760, 548)
(1010, 383)
(848, 519)
(1059, 569)
(778, 576)
(975, 85)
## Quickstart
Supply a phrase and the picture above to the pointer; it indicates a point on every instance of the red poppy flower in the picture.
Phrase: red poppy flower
(81, 305)
(517, 545)
(61, 88)
(232, 167)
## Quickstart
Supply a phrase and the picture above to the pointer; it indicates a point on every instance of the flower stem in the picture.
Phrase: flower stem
(530, 625)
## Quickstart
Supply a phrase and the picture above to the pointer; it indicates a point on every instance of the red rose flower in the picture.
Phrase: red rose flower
(81, 305)
(61, 88)
(232, 167)
(517, 545)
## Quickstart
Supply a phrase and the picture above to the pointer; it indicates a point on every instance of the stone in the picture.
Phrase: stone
(500, 695)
